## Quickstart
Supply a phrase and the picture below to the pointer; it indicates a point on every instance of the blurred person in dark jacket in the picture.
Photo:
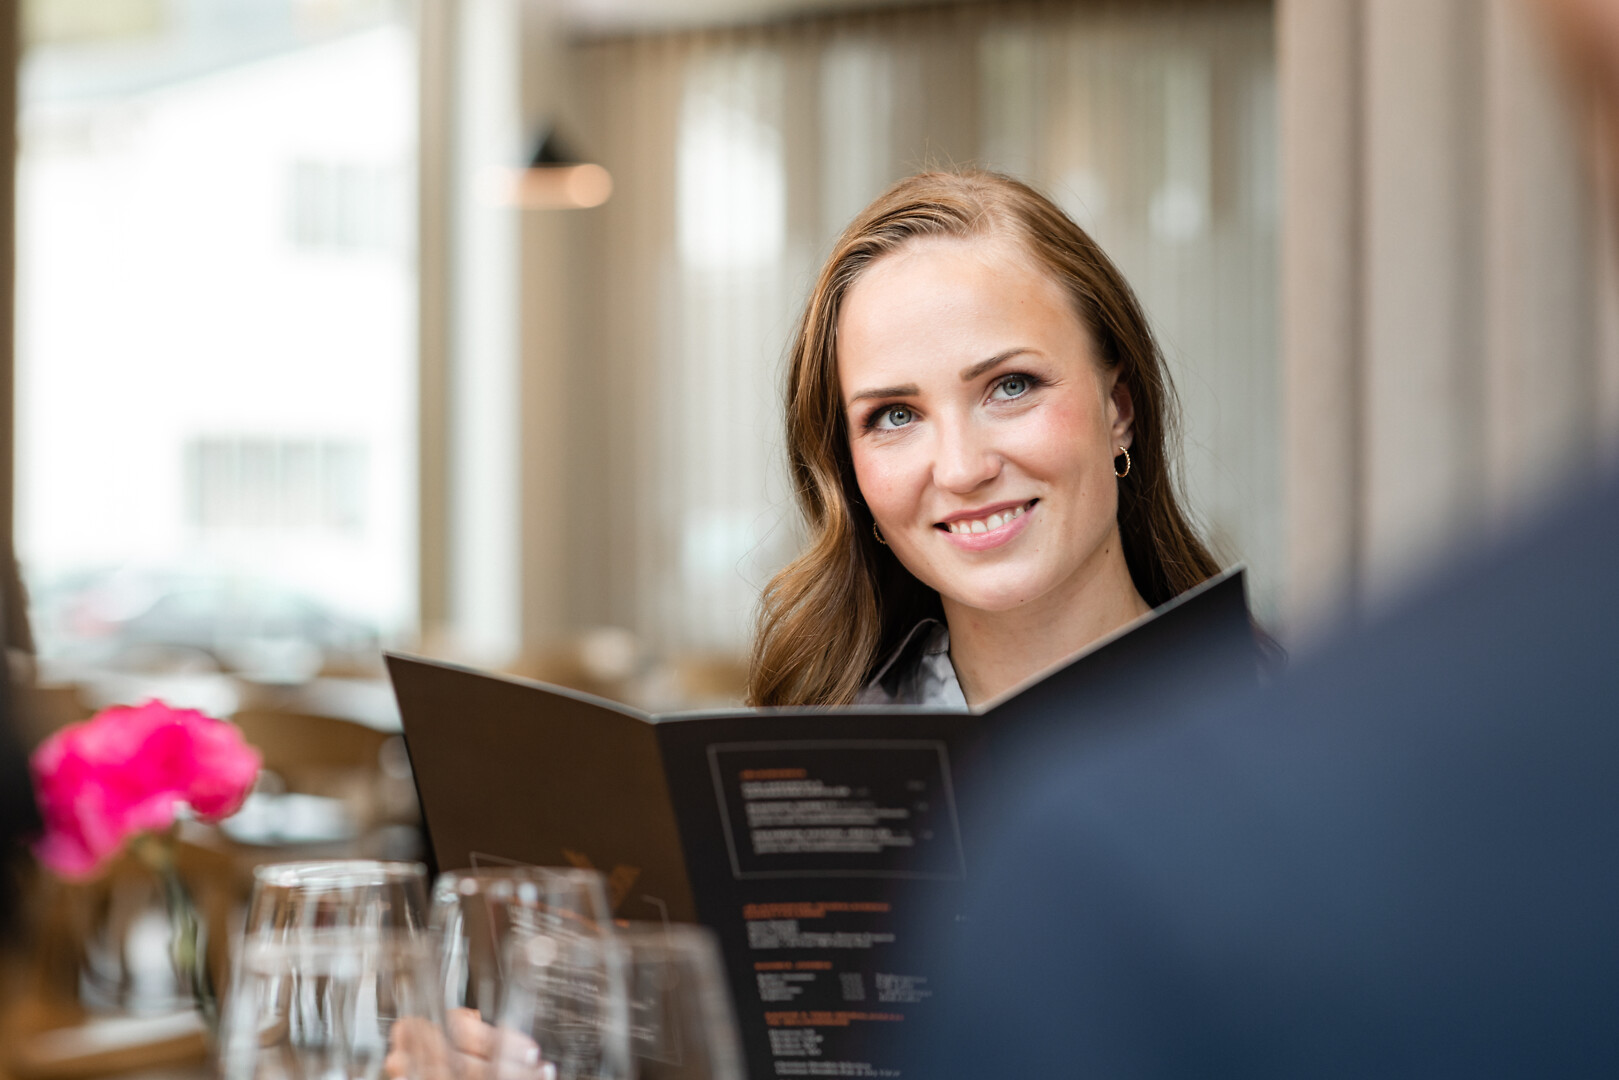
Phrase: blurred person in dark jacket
(1402, 859)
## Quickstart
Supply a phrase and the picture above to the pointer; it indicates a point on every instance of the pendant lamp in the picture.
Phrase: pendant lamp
(557, 180)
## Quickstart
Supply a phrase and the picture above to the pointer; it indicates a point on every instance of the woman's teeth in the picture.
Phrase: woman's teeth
(985, 524)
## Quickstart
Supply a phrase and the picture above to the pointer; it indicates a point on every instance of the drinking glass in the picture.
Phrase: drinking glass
(563, 997)
(335, 971)
(295, 898)
(682, 1025)
(475, 912)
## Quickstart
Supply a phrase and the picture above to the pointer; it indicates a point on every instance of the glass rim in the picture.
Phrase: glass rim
(337, 873)
(519, 872)
(468, 881)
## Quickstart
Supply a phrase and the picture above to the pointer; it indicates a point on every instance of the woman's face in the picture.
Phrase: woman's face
(983, 429)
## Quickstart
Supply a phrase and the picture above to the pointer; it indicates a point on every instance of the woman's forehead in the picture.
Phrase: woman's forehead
(995, 247)
(946, 300)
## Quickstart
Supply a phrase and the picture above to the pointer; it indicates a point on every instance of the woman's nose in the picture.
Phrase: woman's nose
(965, 458)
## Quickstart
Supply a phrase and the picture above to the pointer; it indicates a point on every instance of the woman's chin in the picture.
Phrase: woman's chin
(988, 600)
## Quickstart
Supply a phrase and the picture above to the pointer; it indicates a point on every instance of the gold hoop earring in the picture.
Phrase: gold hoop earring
(1126, 472)
(878, 533)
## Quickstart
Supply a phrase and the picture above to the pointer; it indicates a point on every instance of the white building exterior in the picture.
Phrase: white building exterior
(216, 317)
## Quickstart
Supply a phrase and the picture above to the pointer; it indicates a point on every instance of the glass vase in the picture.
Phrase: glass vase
(146, 944)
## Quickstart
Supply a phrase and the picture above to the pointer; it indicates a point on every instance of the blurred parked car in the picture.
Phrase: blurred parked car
(142, 620)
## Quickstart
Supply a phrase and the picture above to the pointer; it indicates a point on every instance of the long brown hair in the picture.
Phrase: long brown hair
(833, 612)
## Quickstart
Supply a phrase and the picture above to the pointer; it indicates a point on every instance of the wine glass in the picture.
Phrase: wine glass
(564, 1000)
(475, 912)
(335, 968)
(682, 1025)
(362, 894)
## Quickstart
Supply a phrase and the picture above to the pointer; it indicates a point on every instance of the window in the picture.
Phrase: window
(216, 301)
(276, 485)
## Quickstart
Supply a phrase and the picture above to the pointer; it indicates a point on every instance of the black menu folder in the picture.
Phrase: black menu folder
(806, 838)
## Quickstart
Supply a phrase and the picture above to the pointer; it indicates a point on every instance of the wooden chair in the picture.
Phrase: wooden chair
(342, 759)
(709, 680)
(307, 750)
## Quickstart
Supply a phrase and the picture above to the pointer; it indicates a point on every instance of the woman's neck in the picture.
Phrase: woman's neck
(993, 651)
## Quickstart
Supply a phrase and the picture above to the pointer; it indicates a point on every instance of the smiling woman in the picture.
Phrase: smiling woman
(977, 422)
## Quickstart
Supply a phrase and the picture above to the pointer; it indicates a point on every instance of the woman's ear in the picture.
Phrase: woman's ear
(1121, 413)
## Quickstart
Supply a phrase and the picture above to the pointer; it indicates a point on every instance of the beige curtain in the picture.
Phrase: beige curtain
(739, 155)
(1449, 353)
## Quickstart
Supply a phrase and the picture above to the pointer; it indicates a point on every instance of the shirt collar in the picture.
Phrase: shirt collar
(904, 647)
(918, 671)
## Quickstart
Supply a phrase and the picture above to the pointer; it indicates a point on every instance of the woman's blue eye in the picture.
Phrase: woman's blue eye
(895, 416)
(1013, 386)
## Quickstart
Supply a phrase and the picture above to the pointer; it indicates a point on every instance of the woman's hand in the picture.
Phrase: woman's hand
(475, 1051)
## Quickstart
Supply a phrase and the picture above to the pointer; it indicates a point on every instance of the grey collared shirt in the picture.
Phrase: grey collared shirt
(918, 672)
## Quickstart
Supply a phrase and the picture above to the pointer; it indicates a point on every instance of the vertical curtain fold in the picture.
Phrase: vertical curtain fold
(1446, 361)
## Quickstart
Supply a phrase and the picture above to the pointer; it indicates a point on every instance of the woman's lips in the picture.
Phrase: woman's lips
(1012, 521)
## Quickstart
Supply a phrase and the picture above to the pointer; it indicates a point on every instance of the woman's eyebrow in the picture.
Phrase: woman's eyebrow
(967, 375)
(971, 373)
(886, 391)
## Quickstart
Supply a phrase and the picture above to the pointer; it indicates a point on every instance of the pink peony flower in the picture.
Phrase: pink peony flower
(124, 771)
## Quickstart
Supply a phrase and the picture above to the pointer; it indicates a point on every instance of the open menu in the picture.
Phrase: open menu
(809, 840)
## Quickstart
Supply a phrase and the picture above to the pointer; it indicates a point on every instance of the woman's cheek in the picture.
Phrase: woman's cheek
(1045, 440)
(1064, 436)
(874, 473)
(894, 481)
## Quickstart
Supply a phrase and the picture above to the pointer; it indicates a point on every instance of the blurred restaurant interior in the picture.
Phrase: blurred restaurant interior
(457, 327)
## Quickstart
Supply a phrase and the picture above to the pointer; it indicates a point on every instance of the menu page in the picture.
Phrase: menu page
(817, 843)
(825, 842)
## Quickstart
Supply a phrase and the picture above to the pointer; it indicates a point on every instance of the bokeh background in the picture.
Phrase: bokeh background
(300, 372)
(300, 360)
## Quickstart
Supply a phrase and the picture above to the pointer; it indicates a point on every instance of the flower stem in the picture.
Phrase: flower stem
(187, 939)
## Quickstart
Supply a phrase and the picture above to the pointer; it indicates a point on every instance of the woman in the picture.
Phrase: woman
(977, 418)
(977, 424)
